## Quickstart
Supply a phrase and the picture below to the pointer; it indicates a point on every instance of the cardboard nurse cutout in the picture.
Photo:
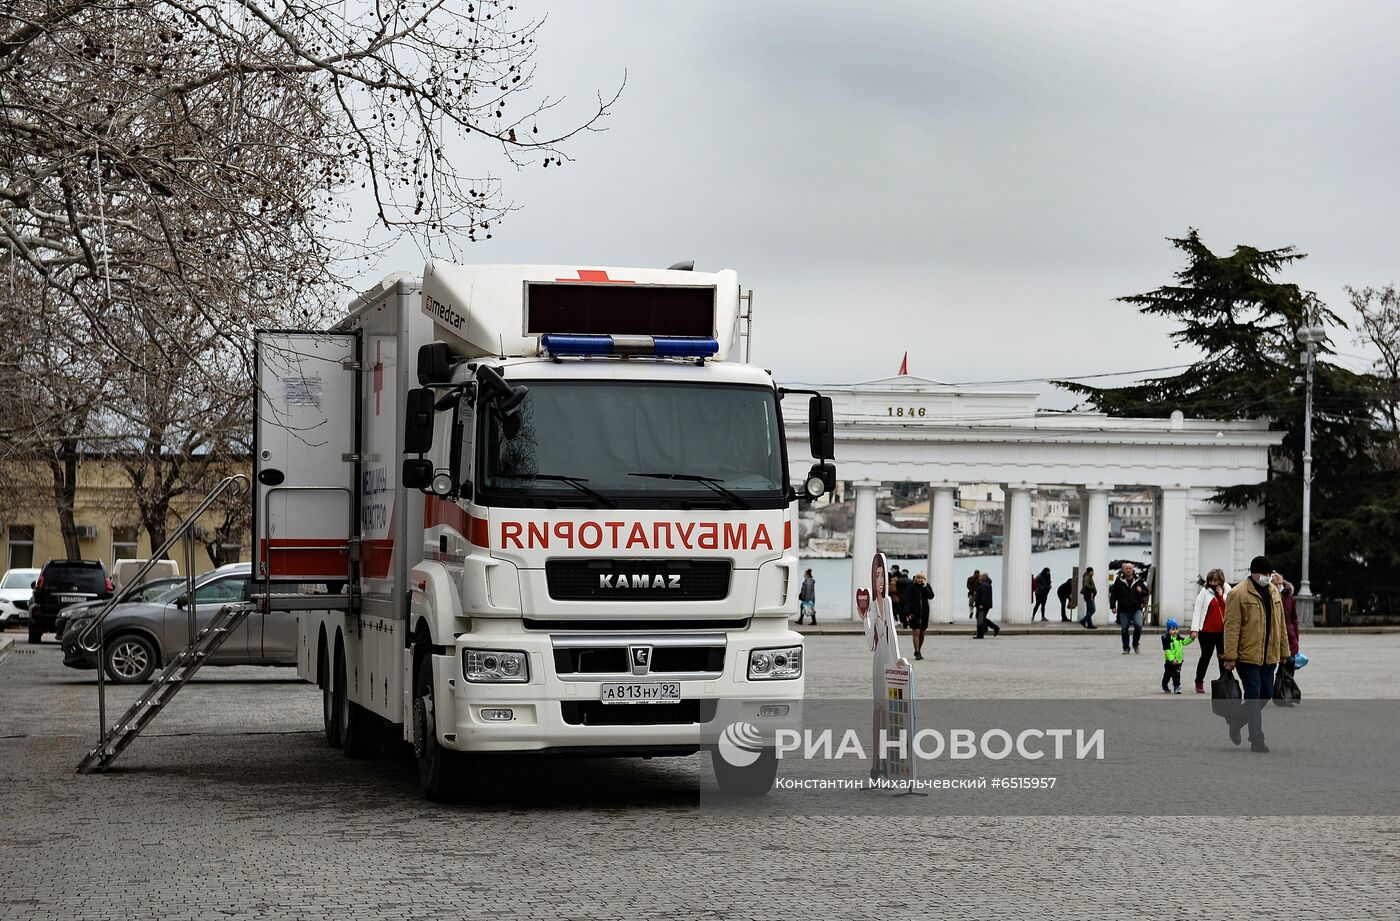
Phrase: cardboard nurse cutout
(884, 647)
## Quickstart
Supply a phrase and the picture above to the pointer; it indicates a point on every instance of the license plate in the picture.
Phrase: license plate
(71, 599)
(652, 692)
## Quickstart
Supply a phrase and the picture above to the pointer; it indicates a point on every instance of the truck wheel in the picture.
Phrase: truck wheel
(129, 659)
(748, 781)
(330, 720)
(359, 733)
(36, 634)
(445, 775)
(334, 710)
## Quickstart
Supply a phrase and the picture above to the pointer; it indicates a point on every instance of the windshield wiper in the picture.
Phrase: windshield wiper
(709, 481)
(574, 481)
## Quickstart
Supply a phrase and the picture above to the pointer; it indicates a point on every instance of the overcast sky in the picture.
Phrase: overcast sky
(974, 182)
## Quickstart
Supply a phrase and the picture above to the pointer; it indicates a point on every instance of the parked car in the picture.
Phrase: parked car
(61, 583)
(15, 588)
(141, 636)
(124, 569)
(148, 591)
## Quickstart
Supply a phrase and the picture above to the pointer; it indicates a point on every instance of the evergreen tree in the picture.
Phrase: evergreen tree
(1243, 321)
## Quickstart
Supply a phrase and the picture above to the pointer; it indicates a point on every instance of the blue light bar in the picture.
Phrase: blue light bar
(557, 344)
(660, 346)
(686, 347)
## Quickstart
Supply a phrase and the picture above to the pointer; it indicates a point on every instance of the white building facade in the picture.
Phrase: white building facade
(908, 429)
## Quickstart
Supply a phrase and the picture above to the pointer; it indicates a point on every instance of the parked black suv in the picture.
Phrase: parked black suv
(61, 583)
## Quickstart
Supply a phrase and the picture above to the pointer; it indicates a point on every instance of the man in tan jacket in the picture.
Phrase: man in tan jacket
(1256, 641)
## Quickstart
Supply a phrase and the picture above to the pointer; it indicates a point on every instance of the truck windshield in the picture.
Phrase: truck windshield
(635, 442)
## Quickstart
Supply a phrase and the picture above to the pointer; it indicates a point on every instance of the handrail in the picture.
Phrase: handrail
(156, 556)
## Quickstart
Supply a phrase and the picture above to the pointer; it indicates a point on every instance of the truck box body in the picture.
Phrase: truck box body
(636, 578)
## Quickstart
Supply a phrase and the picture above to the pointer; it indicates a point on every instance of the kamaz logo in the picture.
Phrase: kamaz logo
(638, 580)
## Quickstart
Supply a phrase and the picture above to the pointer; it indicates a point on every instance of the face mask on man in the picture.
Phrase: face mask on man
(1262, 580)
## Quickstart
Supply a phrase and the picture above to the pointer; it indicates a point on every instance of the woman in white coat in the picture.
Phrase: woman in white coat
(1208, 623)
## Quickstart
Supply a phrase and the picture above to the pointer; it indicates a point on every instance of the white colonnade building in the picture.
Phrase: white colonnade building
(908, 429)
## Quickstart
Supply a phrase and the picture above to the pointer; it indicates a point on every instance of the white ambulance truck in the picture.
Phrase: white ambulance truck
(555, 517)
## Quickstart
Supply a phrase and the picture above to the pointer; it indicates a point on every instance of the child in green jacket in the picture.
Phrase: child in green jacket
(1173, 646)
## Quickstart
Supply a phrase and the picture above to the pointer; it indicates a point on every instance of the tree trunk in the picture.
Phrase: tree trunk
(64, 467)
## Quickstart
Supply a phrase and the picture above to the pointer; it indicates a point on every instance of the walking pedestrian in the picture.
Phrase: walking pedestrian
(906, 598)
(1127, 598)
(973, 581)
(807, 598)
(1042, 593)
(1173, 646)
(1091, 593)
(1208, 624)
(1065, 592)
(1256, 641)
(984, 607)
(896, 603)
(917, 595)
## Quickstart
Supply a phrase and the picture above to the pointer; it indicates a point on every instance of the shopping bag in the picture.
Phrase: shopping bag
(1286, 692)
(1225, 695)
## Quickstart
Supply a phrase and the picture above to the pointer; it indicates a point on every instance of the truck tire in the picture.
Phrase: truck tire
(444, 774)
(749, 781)
(129, 659)
(359, 732)
(333, 699)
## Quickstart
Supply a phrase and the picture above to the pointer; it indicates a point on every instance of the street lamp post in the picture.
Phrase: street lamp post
(1310, 336)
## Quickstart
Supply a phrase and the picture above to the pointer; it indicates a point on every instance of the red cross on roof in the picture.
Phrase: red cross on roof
(597, 276)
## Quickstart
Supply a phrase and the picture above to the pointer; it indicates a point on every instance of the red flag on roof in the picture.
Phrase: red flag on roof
(904, 366)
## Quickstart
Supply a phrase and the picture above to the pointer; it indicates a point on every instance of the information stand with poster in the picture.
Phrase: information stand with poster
(892, 684)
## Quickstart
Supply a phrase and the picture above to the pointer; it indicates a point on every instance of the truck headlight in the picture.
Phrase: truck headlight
(775, 664)
(495, 665)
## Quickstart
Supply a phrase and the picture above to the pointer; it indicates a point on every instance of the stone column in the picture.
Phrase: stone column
(1170, 558)
(942, 547)
(1015, 602)
(1093, 542)
(862, 539)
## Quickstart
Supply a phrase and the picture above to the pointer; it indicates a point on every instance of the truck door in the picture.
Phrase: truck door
(305, 468)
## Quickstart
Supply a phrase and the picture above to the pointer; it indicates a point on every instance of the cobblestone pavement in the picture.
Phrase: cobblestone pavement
(235, 808)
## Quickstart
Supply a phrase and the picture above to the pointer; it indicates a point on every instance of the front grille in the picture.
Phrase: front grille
(612, 660)
(638, 580)
(651, 625)
(597, 713)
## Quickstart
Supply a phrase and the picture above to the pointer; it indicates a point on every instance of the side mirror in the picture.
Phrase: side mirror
(417, 473)
(821, 425)
(501, 395)
(434, 364)
(821, 479)
(418, 421)
(182, 602)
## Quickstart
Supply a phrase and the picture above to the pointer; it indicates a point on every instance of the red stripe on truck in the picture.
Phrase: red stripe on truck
(445, 512)
(326, 557)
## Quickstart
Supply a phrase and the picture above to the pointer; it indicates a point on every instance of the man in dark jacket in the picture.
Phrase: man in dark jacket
(1127, 598)
(984, 607)
(1065, 592)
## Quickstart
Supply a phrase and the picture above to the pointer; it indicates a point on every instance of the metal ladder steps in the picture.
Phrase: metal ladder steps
(176, 674)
